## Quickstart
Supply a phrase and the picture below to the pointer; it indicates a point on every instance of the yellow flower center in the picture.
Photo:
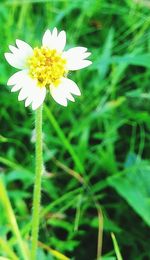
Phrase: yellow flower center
(46, 66)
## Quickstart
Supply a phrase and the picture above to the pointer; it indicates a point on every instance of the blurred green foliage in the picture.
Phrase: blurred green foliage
(96, 151)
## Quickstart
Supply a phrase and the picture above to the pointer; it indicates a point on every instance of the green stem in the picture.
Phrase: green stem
(37, 185)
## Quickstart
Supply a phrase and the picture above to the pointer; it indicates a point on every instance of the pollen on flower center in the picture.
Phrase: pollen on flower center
(46, 66)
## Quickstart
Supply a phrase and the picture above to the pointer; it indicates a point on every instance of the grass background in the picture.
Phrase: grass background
(96, 151)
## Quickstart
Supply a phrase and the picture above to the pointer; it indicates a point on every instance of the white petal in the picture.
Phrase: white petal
(75, 51)
(71, 86)
(17, 77)
(39, 96)
(63, 92)
(54, 33)
(28, 102)
(23, 94)
(58, 95)
(75, 58)
(79, 65)
(54, 41)
(61, 41)
(32, 92)
(24, 50)
(14, 61)
(49, 39)
(46, 38)
(19, 54)
(70, 97)
(16, 88)
(24, 46)
(86, 54)
(13, 48)
(29, 89)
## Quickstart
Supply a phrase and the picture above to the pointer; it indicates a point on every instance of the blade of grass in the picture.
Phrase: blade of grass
(53, 252)
(100, 232)
(116, 247)
(78, 212)
(11, 218)
(75, 174)
(63, 199)
(64, 139)
(6, 248)
(12, 165)
(4, 258)
(9, 163)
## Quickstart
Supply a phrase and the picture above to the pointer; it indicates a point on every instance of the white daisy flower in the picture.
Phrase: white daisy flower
(45, 68)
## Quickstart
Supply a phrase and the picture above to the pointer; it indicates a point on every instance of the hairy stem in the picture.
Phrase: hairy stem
(37, 184)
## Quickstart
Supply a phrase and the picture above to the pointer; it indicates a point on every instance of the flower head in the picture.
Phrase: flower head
(45, 68)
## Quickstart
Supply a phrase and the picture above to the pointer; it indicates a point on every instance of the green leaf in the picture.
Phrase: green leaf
(133, 59)
(133, 185)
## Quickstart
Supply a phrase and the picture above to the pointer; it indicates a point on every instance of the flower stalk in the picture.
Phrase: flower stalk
(37, 185)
